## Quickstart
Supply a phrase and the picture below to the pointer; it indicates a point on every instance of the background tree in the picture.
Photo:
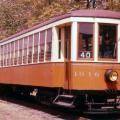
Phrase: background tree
(16, 15)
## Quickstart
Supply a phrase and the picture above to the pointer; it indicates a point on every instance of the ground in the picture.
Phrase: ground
(12, 111)
(25, 110)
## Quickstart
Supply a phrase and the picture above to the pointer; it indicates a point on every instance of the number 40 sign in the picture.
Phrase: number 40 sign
(85, 54)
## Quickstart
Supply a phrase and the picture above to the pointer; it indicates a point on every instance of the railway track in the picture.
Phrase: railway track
(24, 108)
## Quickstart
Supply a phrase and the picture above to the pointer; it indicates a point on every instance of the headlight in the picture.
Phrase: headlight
(111, 75)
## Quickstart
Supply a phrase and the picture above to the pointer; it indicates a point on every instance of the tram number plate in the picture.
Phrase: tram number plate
(85, 54)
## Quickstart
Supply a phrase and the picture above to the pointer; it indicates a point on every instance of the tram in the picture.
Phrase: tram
(71, 60)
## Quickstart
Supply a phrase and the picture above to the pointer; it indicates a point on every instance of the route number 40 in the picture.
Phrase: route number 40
(85, 55)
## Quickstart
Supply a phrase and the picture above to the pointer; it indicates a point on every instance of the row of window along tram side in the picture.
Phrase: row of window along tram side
(27, 50)
(31, 49)
(52, 61)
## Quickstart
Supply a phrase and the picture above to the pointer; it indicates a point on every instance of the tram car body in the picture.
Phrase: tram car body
(72, 60)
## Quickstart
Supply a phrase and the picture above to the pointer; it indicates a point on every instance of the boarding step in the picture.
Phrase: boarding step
(64, 104)
(65, 100)
(67, 96)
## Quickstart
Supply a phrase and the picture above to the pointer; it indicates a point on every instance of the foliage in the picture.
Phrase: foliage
(13, 16)
(16, 15)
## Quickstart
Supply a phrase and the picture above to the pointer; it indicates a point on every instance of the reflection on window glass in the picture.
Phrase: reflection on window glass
(59, 43)
(67, 32)
(49, 44)
(8, 60)
(25, 50)
(85, 41)
(16, 53)
(5, 55)
(30, 48)
(107, 41)
(1, 56)
(20, 50)
(36, 41)
(42, 46)
(12, 53)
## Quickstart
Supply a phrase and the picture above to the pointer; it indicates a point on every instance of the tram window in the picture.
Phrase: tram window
(5, 55)
(25, 50)
(49, 44)
(42, 46)
(16, 53)
(36, 40)
(20, 51)
(59, 43)
(67, 41)
(85, 42)
(30, 48)
(107, 41)
(12, 53)
(59, 33)
(1, 56)
(8, 60)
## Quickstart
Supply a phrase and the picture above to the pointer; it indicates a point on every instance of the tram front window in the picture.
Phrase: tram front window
(85, 41)
(107, 41)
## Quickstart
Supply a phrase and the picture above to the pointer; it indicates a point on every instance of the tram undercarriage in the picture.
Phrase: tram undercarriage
(86, 102)
(91, 102)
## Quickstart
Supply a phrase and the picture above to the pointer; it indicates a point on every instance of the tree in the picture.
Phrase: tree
(12, 16)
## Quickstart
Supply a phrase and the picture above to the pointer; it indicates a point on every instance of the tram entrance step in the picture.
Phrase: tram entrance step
(65, 101)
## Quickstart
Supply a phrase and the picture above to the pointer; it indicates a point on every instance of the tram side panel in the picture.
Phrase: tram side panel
(91, 76)
(45, 75)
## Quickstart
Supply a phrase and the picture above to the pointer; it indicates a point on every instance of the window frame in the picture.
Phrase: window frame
(59, 42)
(16, 52)
(48, 53)
(2, 61)
(16, 49)
(5, 55)
(93, 31)
(21, 42)
(35, 47)
(9, 54)
(25, 50)
(108, 59)
(42, 45)
(12, 52)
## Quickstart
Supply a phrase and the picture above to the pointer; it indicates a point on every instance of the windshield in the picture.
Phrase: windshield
(107, 41)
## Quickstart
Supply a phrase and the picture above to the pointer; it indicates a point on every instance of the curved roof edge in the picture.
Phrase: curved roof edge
(76, 13)
(96, 13)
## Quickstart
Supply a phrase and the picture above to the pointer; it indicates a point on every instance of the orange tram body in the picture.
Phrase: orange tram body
(72, 60)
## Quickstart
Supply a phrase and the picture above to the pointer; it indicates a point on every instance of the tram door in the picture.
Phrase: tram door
(67, 53)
